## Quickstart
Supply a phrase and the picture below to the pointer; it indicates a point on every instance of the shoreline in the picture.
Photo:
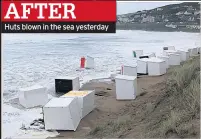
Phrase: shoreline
(160, 27)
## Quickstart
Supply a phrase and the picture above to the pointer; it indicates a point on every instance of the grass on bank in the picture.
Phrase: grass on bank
(183, 89)
(112, 127)
(182, 95)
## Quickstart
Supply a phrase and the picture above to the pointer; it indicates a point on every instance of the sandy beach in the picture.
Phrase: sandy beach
(108, 108)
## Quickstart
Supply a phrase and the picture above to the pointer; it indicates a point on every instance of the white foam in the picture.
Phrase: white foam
(14, 119)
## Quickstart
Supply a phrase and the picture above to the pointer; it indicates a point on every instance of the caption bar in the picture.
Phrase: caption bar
(59, 27)
(58, 17)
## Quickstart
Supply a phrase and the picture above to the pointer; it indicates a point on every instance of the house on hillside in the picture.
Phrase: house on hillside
(166, 20)
(159, 9)
(197, 12)
(190, 8)
(191, 19)
(187, 13)
(123, 19)
(144, 11)
(170, 25)
(143, 15)
(136, 16)
(149, 19)
(180, 13)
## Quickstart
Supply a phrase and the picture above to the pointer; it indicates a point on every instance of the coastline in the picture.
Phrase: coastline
(157, 27)
(146, 109)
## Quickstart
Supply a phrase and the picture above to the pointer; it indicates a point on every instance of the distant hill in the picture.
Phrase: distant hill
(175, 17)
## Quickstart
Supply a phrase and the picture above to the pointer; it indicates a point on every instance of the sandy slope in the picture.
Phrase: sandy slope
(108, 108)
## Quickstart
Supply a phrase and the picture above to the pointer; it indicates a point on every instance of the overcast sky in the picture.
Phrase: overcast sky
(129, 7)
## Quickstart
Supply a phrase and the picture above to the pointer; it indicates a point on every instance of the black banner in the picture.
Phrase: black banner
(58, 27)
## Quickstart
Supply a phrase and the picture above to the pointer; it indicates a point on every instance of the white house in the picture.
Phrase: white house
(148, 19)
(159, 9)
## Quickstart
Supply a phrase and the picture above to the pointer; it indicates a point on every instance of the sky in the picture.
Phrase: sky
(130, 7)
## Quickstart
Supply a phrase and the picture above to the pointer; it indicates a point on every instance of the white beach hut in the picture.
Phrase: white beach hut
(147, 55)
(174, 59)
(113, 75)
(129, 70)
(169, 48)
(33, 96)
(193, 51)
(66, 83)
(126, 87)
(156, 66)
(137, 53)
(198, 49)
(166, 52)
(62, 114)
(166, 58)
(142, 67)
(184, 54)
(85, 99)
(90, 64)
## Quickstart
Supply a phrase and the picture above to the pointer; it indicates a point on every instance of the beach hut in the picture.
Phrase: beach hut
(66, 84)
(62, 114)
(166, 52)
(169, 48)
(113, 75)
(126, 87)
(129, 70)
(184, 54)
(85, 99)
(90, 64)
(137, 53)
(193, 51)
(33, 96)
(198, 50)
(87, 63)
(156, 66)
(147, 55)
(174, 59)
(142, 67)
(166, 58)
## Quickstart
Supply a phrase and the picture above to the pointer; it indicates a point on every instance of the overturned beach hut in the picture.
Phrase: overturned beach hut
(62, 114)
(147, 55)
(166, 58)
(142, 67)
(85, 99)
(129, 70)
(169, 48)
(87, 63)
(90, 64)
(184, 54)
(126, 87)
(156, 66)
(33, 96)
(166, 52)
(66, 84)
(174, 59)
(137, 53)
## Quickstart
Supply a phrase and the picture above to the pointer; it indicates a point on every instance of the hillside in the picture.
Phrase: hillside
(174, 17)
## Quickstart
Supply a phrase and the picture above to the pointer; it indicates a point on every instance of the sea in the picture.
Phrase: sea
(30, 59)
